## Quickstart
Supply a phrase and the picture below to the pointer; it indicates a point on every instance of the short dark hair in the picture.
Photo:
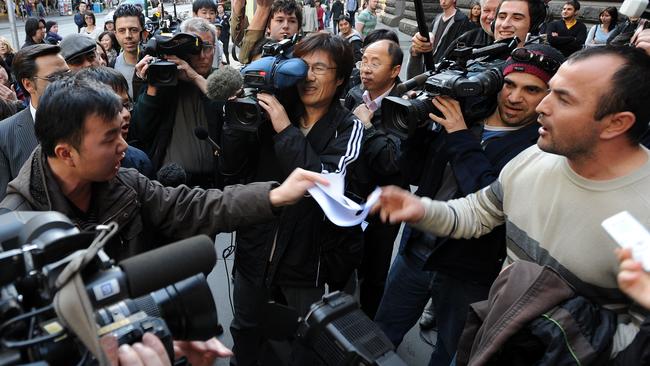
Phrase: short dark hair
(379, 34)
(613, 13)
(24, 64)
(105, 75)
(536, 11)
(89, 13)
(49, 24)
(574, 3)
(287, 7)
(200, 4)
(344, 17)
(31, 26)
(128, 10)
(65, 106)
(628, 90)
(339, 50)
(116, 45)
(395, 52)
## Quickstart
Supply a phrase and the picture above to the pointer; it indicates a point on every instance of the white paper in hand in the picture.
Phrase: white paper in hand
(629, 233)
(339, 209)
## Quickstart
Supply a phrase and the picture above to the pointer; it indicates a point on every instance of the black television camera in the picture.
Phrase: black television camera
(274, 72)
(162, 72)
(138, 295)
(454, 77)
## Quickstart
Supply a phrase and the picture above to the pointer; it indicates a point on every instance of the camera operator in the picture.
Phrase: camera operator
(164, 119)
(298, 254)
(449, 164)
(378, 163)
(553, 197)
(280, 19)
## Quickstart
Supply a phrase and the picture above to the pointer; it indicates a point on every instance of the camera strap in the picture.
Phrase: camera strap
(71, 302)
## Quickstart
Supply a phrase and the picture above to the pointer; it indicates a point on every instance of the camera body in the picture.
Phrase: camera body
(162, 72)
(35, 247)
(471, 76)
(275, 71)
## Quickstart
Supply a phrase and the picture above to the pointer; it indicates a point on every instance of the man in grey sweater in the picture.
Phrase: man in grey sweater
(586, 167)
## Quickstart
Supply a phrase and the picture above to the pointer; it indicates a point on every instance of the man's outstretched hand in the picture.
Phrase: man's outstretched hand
(295, 187)
(397, 205)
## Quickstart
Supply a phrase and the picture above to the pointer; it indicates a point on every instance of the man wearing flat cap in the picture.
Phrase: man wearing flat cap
(79, 51)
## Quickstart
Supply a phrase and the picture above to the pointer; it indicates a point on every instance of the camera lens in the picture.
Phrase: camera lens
(186, 306)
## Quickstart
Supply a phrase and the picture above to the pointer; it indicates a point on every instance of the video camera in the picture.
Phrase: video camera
(453, 77)
(275, 71)
(165, 73)
(138, 295)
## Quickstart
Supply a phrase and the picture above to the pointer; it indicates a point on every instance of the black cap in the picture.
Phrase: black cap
(75, 45)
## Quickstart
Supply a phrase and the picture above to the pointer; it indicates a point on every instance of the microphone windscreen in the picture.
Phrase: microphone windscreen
(224, 83)
(201, 133)
(169, 264)
(171, 175)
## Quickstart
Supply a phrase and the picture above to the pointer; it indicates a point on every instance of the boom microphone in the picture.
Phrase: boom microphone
(224, 83)
(169, 264)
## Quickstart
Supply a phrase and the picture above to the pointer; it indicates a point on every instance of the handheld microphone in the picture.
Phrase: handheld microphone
(202, 134)
(224, 83)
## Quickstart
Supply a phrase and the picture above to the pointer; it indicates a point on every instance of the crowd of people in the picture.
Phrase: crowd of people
(500, 197)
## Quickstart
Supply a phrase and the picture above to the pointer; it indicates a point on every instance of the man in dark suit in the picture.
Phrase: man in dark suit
(34, 67)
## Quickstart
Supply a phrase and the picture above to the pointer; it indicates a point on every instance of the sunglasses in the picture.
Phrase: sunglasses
(524, 55)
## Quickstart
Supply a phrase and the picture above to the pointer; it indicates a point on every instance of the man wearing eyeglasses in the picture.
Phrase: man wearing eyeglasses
(164, 118)
(298, 254)
(458, 159)
(34, 67)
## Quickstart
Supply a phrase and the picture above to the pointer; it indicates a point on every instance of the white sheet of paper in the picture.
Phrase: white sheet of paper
(628, 232)
(339, 209)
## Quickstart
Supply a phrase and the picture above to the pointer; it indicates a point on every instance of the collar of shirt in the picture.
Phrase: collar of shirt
(33, 111)
(571, 23)
(375, 104)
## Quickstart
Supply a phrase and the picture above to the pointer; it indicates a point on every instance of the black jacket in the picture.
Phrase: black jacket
(308, 249)
(567, 41)
(144, 210)
(424, 163)
(474, 38)
(152, 122)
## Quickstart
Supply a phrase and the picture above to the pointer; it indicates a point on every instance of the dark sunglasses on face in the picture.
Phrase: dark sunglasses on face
(524, 55)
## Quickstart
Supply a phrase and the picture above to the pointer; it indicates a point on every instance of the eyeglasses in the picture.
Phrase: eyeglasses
(128, 105)
(207, 47)
(524, 55)
(320, 69)
(371, 66)
(54, 76)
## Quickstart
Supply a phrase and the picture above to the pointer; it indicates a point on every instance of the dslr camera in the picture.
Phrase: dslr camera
(135, 296)
(162, 72)
(277, 70)
(471, 84)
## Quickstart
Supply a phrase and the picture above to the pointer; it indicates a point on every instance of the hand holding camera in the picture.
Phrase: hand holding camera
(275, 110)
(452, 119)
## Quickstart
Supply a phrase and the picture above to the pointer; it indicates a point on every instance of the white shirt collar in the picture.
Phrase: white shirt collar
(376, 101)
(33, 111)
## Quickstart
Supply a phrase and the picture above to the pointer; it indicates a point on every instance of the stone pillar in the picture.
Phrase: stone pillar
(393, 13)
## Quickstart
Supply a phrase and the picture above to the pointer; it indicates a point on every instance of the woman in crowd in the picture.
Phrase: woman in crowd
(90, 29)
(109, 43)
(320, 15)
(109, 25)
(34, 32)
(475, 13)
(52, 32)
(6, 51)
(599, 33)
